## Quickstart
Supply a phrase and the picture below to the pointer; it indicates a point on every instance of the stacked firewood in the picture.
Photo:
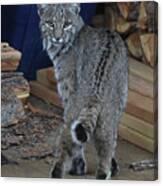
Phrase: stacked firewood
(10, 58)
(136, 22)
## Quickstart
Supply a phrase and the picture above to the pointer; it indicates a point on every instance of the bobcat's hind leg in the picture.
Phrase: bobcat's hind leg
(105, 149)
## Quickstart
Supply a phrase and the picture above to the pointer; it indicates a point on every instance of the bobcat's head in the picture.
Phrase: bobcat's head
(60, 23)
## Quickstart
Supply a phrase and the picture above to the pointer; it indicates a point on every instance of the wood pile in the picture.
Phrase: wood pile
(10, 58)
(136, 22)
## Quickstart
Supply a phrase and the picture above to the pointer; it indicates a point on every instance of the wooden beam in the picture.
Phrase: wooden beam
(51, 75)
(138, 125)
(136, 138)
(141, 70)
(44, 93)
(44, 80)
(141, 86)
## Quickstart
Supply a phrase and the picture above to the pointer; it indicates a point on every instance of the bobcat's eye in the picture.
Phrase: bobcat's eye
(67, 25)
(49, 24)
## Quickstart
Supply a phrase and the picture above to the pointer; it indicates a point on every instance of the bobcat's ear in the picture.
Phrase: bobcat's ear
(74, 8)
(41, 8)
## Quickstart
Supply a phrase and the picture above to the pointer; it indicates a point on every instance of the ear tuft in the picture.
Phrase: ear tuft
(41, 8)
(74, 8)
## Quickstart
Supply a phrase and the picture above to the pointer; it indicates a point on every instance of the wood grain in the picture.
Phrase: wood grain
(44, 93)
(136, 138)
(138, 125)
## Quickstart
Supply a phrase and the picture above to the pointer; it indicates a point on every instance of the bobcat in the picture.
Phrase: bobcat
(91, 69)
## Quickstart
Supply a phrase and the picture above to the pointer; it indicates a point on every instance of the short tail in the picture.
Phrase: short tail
(84, 125)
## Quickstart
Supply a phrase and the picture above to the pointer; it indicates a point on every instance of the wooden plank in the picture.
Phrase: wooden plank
(44, 80)
(140, 101)
(51, 75)
(136, 138)
(141, 114)
(44, 93)
(141, 70)
(140, 106)
(138, 125)
(141, 86)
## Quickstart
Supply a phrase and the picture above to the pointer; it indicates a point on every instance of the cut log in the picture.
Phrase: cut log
(11, 56)
(141, 86)
(148, 17)
(136, 138)
(141, 70)
(110, 18)
(42, 78)
(140, 106)
(44, 93)
(124, 8)
(134, 45)
(143, 17)
(123, 26)
(138, 125)
(149, 45)
(129, 10)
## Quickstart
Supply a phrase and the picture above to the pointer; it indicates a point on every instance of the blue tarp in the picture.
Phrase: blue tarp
(20, 28)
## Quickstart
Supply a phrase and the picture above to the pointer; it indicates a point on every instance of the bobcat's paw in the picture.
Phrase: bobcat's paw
(57, 171)
(78, 166)
(103, 176)
(78, 133)
(114, 168)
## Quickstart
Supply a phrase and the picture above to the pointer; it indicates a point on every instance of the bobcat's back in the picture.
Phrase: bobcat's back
(101, 65)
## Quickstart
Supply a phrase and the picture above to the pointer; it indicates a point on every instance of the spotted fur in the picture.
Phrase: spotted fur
(92, 73)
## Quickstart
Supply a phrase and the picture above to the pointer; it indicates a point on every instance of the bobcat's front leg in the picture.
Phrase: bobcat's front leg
(78, 166)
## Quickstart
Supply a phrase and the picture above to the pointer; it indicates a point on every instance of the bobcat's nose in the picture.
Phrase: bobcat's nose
(58, 40)
(58, 34)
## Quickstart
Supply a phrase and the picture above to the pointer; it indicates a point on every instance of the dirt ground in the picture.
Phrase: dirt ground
(126, 154)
